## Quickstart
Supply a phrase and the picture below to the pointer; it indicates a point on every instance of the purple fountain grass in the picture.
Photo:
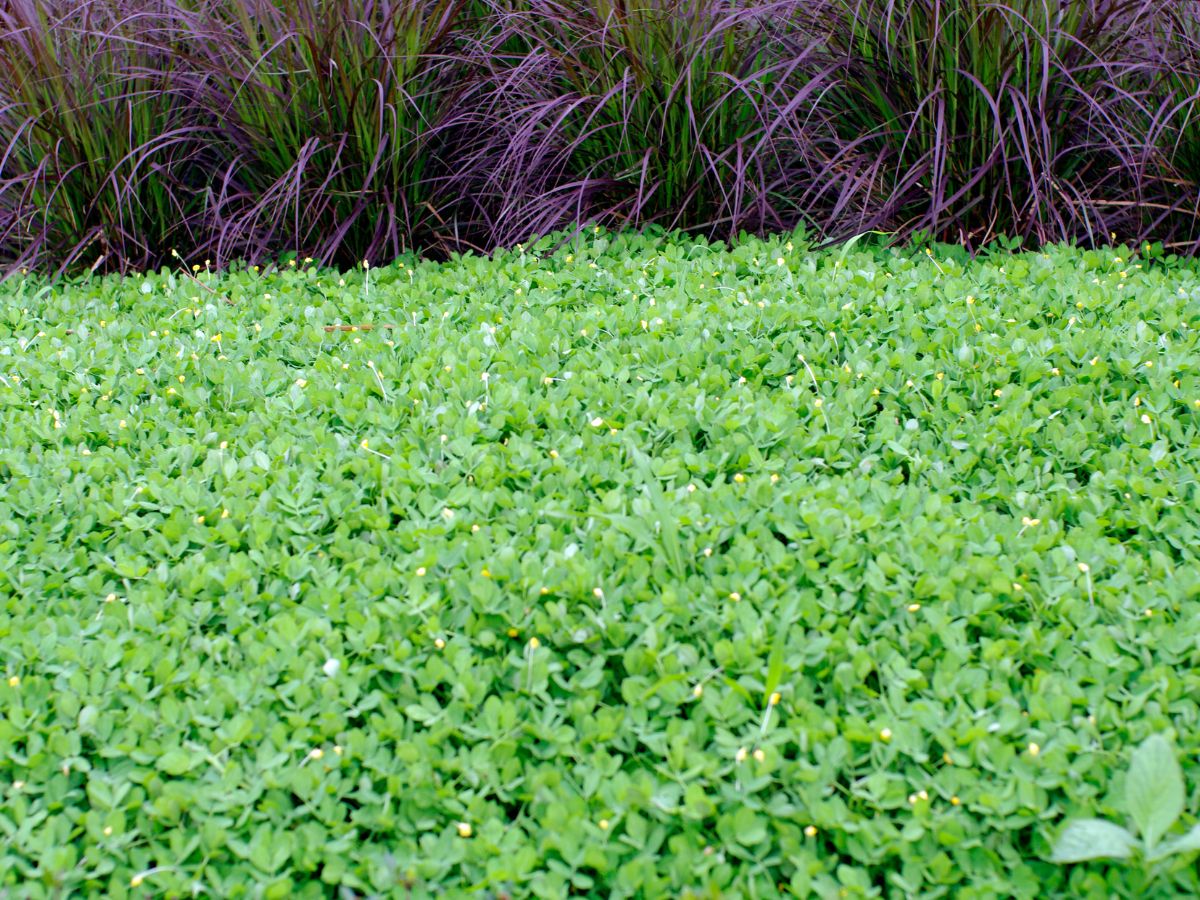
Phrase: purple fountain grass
(329, 114)
(989, 119)
(100, 157)
(243, 129)
(703, 115)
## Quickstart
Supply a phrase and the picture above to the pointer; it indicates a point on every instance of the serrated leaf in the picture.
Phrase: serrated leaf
(1154, 789)
(1085, 839)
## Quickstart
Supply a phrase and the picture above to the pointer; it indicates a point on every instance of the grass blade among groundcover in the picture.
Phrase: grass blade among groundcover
(647, 567)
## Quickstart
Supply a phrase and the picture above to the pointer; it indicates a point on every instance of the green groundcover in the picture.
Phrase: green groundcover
(626, 566)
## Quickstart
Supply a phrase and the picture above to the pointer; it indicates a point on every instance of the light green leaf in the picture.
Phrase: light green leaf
(749, 828)
(175, 762)
(1086, 839)
(1154, 789)
(1185, 843)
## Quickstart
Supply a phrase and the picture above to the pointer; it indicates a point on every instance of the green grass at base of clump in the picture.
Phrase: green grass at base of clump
(639, 567)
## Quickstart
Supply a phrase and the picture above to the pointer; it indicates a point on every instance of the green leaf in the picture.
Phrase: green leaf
(1185, 843)
(175, 762)
(1086, 839)
(749, 828)
(1154, 789)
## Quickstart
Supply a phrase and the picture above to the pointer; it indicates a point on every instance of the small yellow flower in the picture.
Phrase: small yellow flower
(534, 643)
(780, 261)
(810, 831)
(316, 753)
(774, 478)
(740, 756)
(420, 571)
(1055, 371)
(735, 596)
(224, 514)
(547, 380)
(464, 829)
(439, 643)
(554, 454)
(1145, 419)
(121, 424)
(486, 573)
(199, 520)
(739, 477)
(940, 375)
(760, 755)
(913, 607)
(597, 422)
(998, 393)
(14, 681)
(954, 801)
(885, 734)
(818, 403)
(301, 382)
(363, 443)
(1034, 749)
(603, 823)
(698, 691)
(136, 880)
(1084, 567)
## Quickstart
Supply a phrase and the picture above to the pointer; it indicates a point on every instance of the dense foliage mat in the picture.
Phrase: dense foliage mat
(640, 567)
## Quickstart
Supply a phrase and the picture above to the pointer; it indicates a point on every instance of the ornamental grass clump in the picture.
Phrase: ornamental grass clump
(102, 161)
(700, 115)
(329, 114)
(970, 120)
